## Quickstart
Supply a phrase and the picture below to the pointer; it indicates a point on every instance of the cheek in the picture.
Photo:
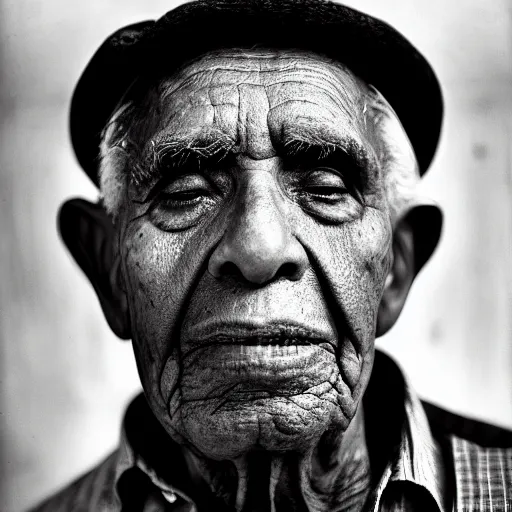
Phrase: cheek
(368, 240)
(353, 260)
(160, 270)
(152, 266)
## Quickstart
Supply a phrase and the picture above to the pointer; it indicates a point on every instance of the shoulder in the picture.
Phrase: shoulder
(93, 491)
(444, 423)
(480, 458)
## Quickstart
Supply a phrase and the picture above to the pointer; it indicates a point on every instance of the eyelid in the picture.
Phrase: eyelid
(323, 175)
(188, 182)
(325, 170)
(347, 185)
(164, 182)
(342, 166)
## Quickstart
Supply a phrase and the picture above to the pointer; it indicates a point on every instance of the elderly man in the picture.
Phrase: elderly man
(258, 227)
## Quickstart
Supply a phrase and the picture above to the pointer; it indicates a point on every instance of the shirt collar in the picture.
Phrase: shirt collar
(145, 445)
(415, 456)
(401, 445)
(419, 457)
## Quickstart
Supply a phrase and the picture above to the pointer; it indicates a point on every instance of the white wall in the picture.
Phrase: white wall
(65, 378)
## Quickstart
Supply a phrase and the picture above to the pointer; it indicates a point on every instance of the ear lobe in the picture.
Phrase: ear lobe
(88, 233)
(415, 238)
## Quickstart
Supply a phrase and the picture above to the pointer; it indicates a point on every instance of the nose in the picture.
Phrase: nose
(258, 245)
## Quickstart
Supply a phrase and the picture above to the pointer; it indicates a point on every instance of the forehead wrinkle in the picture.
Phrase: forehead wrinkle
(230, 75)
(341, 97)
(317, 70)
(339, 84)
(256, 59)
(294, 106)
(245, 62)
(338, 105)
(170, 86)
(252, 62)
(186, 79)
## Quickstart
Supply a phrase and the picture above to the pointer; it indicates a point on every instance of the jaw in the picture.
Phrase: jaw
(236, 398)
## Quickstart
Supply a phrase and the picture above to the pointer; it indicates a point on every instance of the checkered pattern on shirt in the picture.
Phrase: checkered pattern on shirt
(483, 477)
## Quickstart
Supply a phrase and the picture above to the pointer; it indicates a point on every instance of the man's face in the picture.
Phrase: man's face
(255, 252)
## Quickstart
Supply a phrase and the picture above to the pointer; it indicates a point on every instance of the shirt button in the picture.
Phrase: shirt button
(169, 496)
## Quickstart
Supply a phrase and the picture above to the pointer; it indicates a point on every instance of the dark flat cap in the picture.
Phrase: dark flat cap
(370, 48)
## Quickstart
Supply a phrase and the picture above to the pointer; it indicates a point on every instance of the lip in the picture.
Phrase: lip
(256, 332)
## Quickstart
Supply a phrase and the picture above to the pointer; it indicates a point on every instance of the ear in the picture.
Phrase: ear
(415, 238)
(88, 233)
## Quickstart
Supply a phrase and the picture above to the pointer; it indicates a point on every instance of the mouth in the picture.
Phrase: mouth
(253, 359)
(281, 339)
(279, 334)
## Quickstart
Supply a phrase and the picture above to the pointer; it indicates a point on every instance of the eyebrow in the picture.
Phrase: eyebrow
(311, 141)
(167, 152)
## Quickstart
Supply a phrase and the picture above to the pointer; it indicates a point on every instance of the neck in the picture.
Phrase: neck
(332, 476)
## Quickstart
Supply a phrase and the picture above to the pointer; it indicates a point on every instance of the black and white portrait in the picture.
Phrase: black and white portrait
(256, 256)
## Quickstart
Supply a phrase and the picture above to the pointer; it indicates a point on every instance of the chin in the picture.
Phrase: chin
(227, 430)
(235, 398)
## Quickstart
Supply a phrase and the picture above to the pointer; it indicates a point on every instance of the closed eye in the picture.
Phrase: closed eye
(349, 163)
(322, 183)
(326, 192)
(185, 197)
(183, 203)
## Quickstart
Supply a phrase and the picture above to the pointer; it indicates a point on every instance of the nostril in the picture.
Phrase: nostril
(230, 269)
(289, 270)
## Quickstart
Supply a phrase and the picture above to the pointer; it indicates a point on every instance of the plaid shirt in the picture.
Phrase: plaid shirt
(427, 459)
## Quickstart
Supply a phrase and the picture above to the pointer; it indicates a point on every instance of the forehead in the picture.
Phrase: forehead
(276, 92)
(270, 69)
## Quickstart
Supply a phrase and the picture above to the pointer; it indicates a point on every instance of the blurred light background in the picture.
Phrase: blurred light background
(65, 379)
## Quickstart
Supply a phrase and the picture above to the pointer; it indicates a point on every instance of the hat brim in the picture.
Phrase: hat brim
(370, 48)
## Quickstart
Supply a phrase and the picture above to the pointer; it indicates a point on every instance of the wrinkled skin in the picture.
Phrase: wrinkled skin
(254, 281)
